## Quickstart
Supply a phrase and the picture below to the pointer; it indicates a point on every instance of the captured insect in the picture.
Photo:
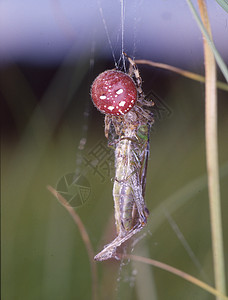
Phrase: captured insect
(128, 121)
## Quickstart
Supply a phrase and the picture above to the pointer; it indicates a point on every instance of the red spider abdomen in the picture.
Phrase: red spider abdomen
(114, 92)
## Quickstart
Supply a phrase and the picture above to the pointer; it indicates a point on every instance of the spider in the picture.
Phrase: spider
(120, 97)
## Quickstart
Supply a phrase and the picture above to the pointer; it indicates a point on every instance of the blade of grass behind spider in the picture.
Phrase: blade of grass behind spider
(172, 204)
(179, 198)
(210, 43)
(223, 4)
(177, 272)
(212, 158)
(191, 75)
(212, 151)
(84, 236)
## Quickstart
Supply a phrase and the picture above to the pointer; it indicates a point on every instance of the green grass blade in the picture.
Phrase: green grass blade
(218, 57)
(223, 4)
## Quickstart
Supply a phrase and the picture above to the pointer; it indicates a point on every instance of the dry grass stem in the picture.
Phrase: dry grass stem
(190, 75)
(175, 271)
(84, 236)
(212, 156)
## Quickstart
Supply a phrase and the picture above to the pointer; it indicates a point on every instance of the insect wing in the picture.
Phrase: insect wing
(144, 155)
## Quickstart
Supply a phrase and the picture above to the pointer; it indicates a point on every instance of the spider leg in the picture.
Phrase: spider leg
(107, 125)
(133, 71)
(117, 125)
(147, 103)
(144, 113)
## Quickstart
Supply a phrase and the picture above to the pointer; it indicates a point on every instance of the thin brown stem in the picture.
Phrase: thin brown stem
(84, 236)
(212, 156)
(190, 75)
(175, 271)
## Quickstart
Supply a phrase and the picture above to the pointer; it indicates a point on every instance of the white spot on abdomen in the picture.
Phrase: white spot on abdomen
(111, 108)
(120, 91)
(103, 97)
(122, 103)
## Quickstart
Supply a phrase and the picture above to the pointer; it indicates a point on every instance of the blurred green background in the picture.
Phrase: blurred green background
(45, 115)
